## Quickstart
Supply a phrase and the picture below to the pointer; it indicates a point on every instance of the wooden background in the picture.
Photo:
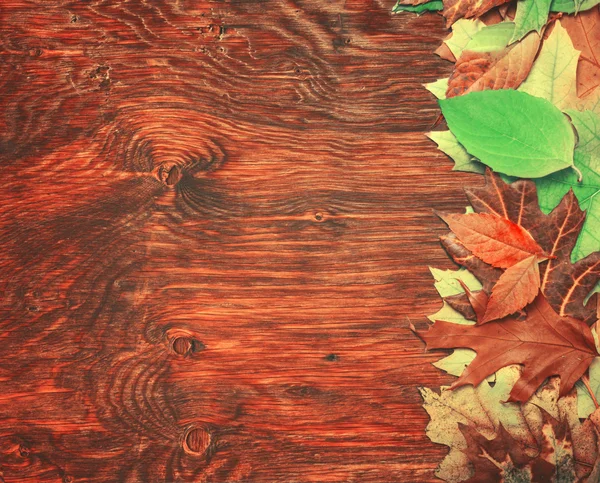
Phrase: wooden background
(215, 224)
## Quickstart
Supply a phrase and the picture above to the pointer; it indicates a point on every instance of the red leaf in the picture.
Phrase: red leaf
(516, 288)
(564, 284)
(495, 240)
(545, 344)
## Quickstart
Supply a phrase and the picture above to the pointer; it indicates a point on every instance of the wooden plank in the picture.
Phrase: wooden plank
(216, 222)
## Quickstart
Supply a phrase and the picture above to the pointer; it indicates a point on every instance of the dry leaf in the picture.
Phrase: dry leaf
(506, 69)
(455, 9)
(495, 240)
(545, 344)
(516, 288)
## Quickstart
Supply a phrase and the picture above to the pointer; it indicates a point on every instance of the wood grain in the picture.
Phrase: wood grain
(216, 222)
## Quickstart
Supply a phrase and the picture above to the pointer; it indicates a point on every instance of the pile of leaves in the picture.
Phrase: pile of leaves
(522, 107)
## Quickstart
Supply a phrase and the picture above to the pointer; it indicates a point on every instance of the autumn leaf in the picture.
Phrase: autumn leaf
(526, 425)
(584, 32)
(505, 459)
(545, 344)
(552, 76)
(505, 69)
(587, 159)
(495, 240)
(463, 32)
(486, 274)
(455, 9)
(516, 288)
(491, 38)
(565, 285)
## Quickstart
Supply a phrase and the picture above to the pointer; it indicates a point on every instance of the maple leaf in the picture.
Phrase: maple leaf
(525, 425)
(565, 285)
(455, 9)
(506, 69)
(501, 243)
(545, 344)
(587, 159)
(504, 459)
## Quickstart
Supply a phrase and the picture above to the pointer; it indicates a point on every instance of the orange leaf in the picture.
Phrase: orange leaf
(515, 288)
(493, 239)
(505, 69)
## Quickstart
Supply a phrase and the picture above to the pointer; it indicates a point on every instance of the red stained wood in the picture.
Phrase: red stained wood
(216, 222)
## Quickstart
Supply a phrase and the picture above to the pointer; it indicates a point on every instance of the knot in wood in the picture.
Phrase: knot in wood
(169, 174)
(183, 343)
(197, 441)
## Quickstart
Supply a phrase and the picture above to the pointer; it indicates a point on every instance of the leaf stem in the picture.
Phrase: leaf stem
(586, 381)
(579, 173)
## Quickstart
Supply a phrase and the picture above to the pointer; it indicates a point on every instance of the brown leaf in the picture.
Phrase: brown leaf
(498, 459)
(461, 304)
(505, 69)
(504, 459)
(478, 301)
(485, 273)
(545, 344)
(455, 9)
(584, 30)
(516, 288)
(564, 284)
(495, 240)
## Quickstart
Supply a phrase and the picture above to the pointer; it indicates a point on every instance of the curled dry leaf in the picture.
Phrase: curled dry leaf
(545, 344)
(506, 69)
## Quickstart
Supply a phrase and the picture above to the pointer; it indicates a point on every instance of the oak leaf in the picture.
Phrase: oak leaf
(545, 344)
(506, 69)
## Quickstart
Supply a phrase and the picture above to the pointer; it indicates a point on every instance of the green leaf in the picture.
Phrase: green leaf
(491, 38)
(438, 88)
(447, 281)
(463, 31)
(456, 363)
(511, 132)
(552, 188)
(449, 145)
(553, 73)
(531, 15)
(432, 6)
(569, 6)
(585, 404)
